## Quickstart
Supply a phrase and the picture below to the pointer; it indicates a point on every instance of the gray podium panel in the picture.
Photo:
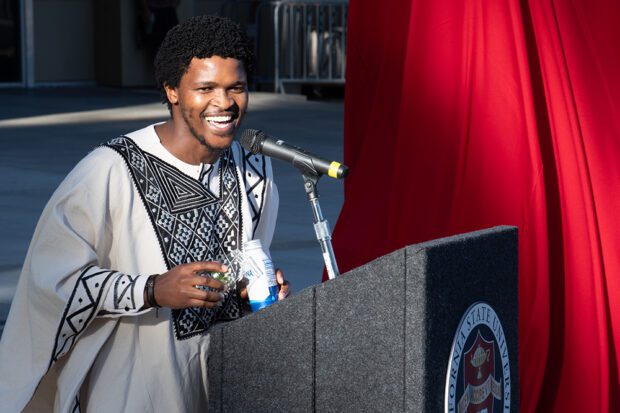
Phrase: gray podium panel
(359, 340)
(376, 339)
(267, 359)
(444, 278)
(215, 368)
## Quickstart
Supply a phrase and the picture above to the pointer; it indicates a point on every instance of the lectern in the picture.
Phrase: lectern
(431, 327)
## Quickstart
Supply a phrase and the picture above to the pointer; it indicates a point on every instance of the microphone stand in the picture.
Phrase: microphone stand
(321, 226)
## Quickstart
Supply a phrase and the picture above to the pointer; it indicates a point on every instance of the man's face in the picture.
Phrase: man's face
(211, 99)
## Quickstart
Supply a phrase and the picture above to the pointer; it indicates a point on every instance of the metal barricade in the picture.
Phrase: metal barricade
(309, 41)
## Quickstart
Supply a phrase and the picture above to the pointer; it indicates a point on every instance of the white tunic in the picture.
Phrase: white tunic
(75, 337)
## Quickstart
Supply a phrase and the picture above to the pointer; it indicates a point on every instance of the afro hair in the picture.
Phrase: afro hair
(200, 37)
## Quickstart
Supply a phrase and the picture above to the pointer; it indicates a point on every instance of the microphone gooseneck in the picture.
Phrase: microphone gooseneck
(257, 141)
(312, 168)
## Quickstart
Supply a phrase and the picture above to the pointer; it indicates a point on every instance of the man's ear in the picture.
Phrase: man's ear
(171, 94)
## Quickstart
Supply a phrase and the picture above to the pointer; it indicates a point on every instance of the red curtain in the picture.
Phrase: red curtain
(462, 115)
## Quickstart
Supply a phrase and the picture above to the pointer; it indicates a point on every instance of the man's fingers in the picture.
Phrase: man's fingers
(284, 290)
(207, 281)
(206, 295)
(280, 276)
(210, 266)
(283, 285)
(242, 288)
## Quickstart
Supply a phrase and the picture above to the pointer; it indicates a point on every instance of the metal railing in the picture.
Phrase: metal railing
(309, 40)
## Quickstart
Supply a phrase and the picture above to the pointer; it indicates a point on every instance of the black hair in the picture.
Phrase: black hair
(200, 37)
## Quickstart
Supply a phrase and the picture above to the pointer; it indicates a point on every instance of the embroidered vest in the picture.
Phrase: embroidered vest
(192, 223)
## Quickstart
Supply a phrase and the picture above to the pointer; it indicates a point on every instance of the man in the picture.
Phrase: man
(177, 199)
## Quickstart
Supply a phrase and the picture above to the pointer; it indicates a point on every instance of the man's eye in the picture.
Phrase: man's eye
(238, 89)
(205, 89)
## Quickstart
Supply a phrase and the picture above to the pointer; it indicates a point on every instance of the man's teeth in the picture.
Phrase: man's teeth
(219, 119)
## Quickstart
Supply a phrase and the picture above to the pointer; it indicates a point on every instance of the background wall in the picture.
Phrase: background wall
(97, 40)
(63, 40)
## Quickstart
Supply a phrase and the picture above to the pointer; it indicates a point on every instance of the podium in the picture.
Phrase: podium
(389, 336)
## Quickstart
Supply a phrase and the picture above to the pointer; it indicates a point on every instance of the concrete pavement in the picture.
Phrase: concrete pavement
(44, 132)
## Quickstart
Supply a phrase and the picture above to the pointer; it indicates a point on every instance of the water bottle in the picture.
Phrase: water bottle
(257, 268)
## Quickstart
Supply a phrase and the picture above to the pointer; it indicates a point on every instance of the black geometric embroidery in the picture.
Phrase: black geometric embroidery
(192, 224)
(80, 309)
(124, 294)
(76, 405)
(205, 174)
(254, 173)
(180, 194)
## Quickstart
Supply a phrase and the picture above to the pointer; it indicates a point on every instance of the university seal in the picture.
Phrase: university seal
(478, 378)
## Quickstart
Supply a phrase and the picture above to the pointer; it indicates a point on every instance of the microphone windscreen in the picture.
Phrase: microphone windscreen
(251, 140)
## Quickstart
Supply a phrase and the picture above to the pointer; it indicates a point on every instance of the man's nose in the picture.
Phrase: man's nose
(222, 99)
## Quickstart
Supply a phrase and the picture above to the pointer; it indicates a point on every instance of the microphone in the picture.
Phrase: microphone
(257, 141)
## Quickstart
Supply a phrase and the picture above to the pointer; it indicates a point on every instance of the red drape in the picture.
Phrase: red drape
(461, 115)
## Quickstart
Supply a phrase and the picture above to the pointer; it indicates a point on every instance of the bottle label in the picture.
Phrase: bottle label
(270, 275)
(257, 268)
(260, 277)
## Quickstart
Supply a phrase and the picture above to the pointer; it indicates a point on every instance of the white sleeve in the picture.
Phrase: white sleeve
(267, 224)
(84, 215)
(125, 296)
(63, 286)
(80, 220)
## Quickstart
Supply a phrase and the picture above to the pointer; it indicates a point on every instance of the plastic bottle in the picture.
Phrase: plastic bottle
(258, 269)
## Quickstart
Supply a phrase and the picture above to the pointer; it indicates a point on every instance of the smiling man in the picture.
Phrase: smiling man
(136, 225)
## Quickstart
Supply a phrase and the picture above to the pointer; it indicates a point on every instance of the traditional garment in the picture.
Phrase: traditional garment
(76, 337)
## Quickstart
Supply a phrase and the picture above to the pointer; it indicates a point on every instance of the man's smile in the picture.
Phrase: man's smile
(221, 122)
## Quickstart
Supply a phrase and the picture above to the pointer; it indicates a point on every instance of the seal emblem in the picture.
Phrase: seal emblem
(478, 379)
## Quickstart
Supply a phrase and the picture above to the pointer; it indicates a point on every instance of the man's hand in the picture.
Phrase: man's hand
(177, 287)
(283, 286)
